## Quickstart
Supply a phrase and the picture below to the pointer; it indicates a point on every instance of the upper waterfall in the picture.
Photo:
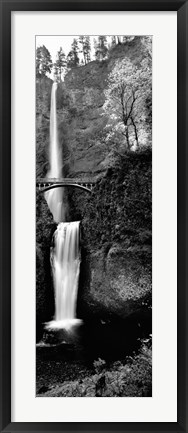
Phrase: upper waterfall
(54, 197)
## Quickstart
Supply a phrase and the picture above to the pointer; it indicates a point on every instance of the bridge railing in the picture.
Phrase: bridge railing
(45, 184)
(64, 180)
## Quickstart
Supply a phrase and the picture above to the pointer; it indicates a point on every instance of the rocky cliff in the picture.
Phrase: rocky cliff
(116, 274)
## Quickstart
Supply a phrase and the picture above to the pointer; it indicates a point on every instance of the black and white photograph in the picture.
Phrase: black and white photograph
(93, 215)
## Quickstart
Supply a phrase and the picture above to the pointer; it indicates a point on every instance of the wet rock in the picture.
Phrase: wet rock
(119, 283)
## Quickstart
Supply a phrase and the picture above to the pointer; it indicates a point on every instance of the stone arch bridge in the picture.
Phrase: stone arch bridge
(46, 184)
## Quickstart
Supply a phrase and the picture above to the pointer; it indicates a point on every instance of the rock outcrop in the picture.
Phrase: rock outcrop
(116, 274)
(118, 284)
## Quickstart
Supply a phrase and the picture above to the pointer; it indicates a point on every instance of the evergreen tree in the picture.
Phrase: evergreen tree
(101, 48)
(125, 39)
(95, 44)
(113, 41)
(56, 73)
(72, 57)
(116, 40)
(75, 51)
(84, 41)
(87, 49)
(60, 64)
(43, 61)
(119, 40)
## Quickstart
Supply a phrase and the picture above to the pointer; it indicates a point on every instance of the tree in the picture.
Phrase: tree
(147, 44)
(119, 40)
(60, 64)
(73, 58)
(129, 87)
(87, 49)
(125, 39)
(95, 44)
(43, 61)
(56, 73)
(85, 44)
(116, 40)
(101, 48)
(82, 43)
(75, 51)
(113, 41)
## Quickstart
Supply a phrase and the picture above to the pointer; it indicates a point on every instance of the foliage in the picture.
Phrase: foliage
(119, 40)
(99, 365)
(60, 64)
(113, 41)
(43, 62)
(147, 44)
(85, 45)
(101, 49)
(87, 48)
(129, 378)
(129, 87)
(73, 57)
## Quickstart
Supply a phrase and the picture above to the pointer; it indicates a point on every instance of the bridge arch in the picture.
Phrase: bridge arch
(60, 185)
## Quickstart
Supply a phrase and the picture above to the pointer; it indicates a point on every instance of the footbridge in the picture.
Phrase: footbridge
(46, 184)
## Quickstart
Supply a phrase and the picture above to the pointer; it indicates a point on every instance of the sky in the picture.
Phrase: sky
(53, 43)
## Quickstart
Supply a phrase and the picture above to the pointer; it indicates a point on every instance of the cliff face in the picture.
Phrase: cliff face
(115, 278)
(81, 123)
(119, 284)
(86, 125)
(116, 274)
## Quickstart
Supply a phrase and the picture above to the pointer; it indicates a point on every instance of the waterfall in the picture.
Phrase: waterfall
(65, 261)
(65, 254)
(54, 197)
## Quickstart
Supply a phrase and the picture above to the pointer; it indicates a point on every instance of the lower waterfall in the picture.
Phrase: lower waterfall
(65, 262)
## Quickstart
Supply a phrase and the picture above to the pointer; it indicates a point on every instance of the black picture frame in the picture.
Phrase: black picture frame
(6, 7)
